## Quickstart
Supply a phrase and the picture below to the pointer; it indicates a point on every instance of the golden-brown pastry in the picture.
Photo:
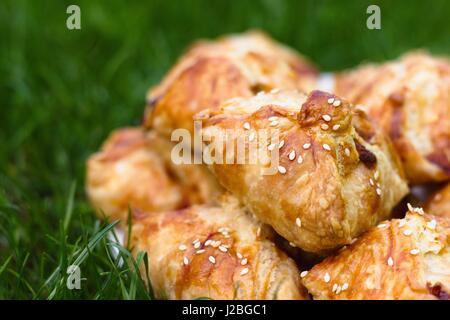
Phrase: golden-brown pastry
(439, 203)
(214, 252)
(400, 259)
(337, 175)
(410, 99)
(213, 71)
(133, 170)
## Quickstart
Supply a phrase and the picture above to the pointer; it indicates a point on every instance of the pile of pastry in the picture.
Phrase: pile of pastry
(357, 207)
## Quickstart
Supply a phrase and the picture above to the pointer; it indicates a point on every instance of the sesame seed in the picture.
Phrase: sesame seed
(382, 225)
(338, 290)
(196, 240)
(244, 261)
(292, 244)
(212, 259)
(371, 182)
(347, 152)
(239, 255)
(432, 224)
(258, 231)
(327, 278)
(303, 274)
(376, 175)
(182, 247)
(271, 147)
(336, 127)
(326, 147)
(298, 222)
(402, 223)
(273, 123)
(306, 146)
(326, 117)
(251, 137)
(185, 261)
(281, 144)
(276, 90)
(208, 242)
(292, 155)
(379, 191)
(419, 211)
(216, 244)
(345, 286)
(407, 232)
(244, 271)
(335, 286)
(390, 262)
(414, 251)
(200, 251)
(281, 169)
(330, 101)
(273, 118)
(247, 126)
(300, 159)
(197, 245)
(227, 236)
(324, 126)
(223, 249)
(337, 103)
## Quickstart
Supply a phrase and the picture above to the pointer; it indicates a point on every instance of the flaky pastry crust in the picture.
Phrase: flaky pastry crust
(406, 259)
(439, 203)
(133, 170)
(337, 174)
(214, 252)
(410, 99)
(213, 71)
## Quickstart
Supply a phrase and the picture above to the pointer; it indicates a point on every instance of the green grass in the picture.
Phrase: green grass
(63, 91)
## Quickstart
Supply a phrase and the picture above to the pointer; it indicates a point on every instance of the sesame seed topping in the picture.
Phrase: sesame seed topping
(271, 147)
(195, 241)
(432, 224)
(185, 261)
(326, 117)
(379, 191)
(306, 146)
(298, 222)
(273, 118)
(200, 251)
(337, 103)
(402, 223)
(336, 127)
(292, 155)
(345, 286)
(239, 255)
(273, 123)
(414, 252)
(244, 271)
(223, 248)
(382, 225)
(197, 245)
(276, 90)
(226, 236)
(281, 169)
(251, 137)
(247, 126)
(244, 261)
(326, 147)
(330, 101)
(292, 244)
(216, 244)
(182, 247)
(281, 144)
(407, 232)
(303, 274)
(347, 152)
(338, 289)
(324, 126)
(376, 175)
(371, 182)
(208, 242)
(212, 259)
(335, 286)
(327, 278)
(300, 159)
(390, 262)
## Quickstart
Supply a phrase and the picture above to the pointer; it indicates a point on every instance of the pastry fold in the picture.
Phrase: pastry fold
(337, 174)
(439, 203)
(216, 252)
(410, 99)
(213, 71)
(406, 259)
(133, 170)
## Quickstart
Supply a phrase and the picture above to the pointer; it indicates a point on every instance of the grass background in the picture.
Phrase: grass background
(63, 91)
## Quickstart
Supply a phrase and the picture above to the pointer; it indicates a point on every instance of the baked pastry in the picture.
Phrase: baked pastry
(336, 175)
(214, 252)
(213, 71)
(400, 259)
(439, 203)
(133, 171)
(410, 99)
